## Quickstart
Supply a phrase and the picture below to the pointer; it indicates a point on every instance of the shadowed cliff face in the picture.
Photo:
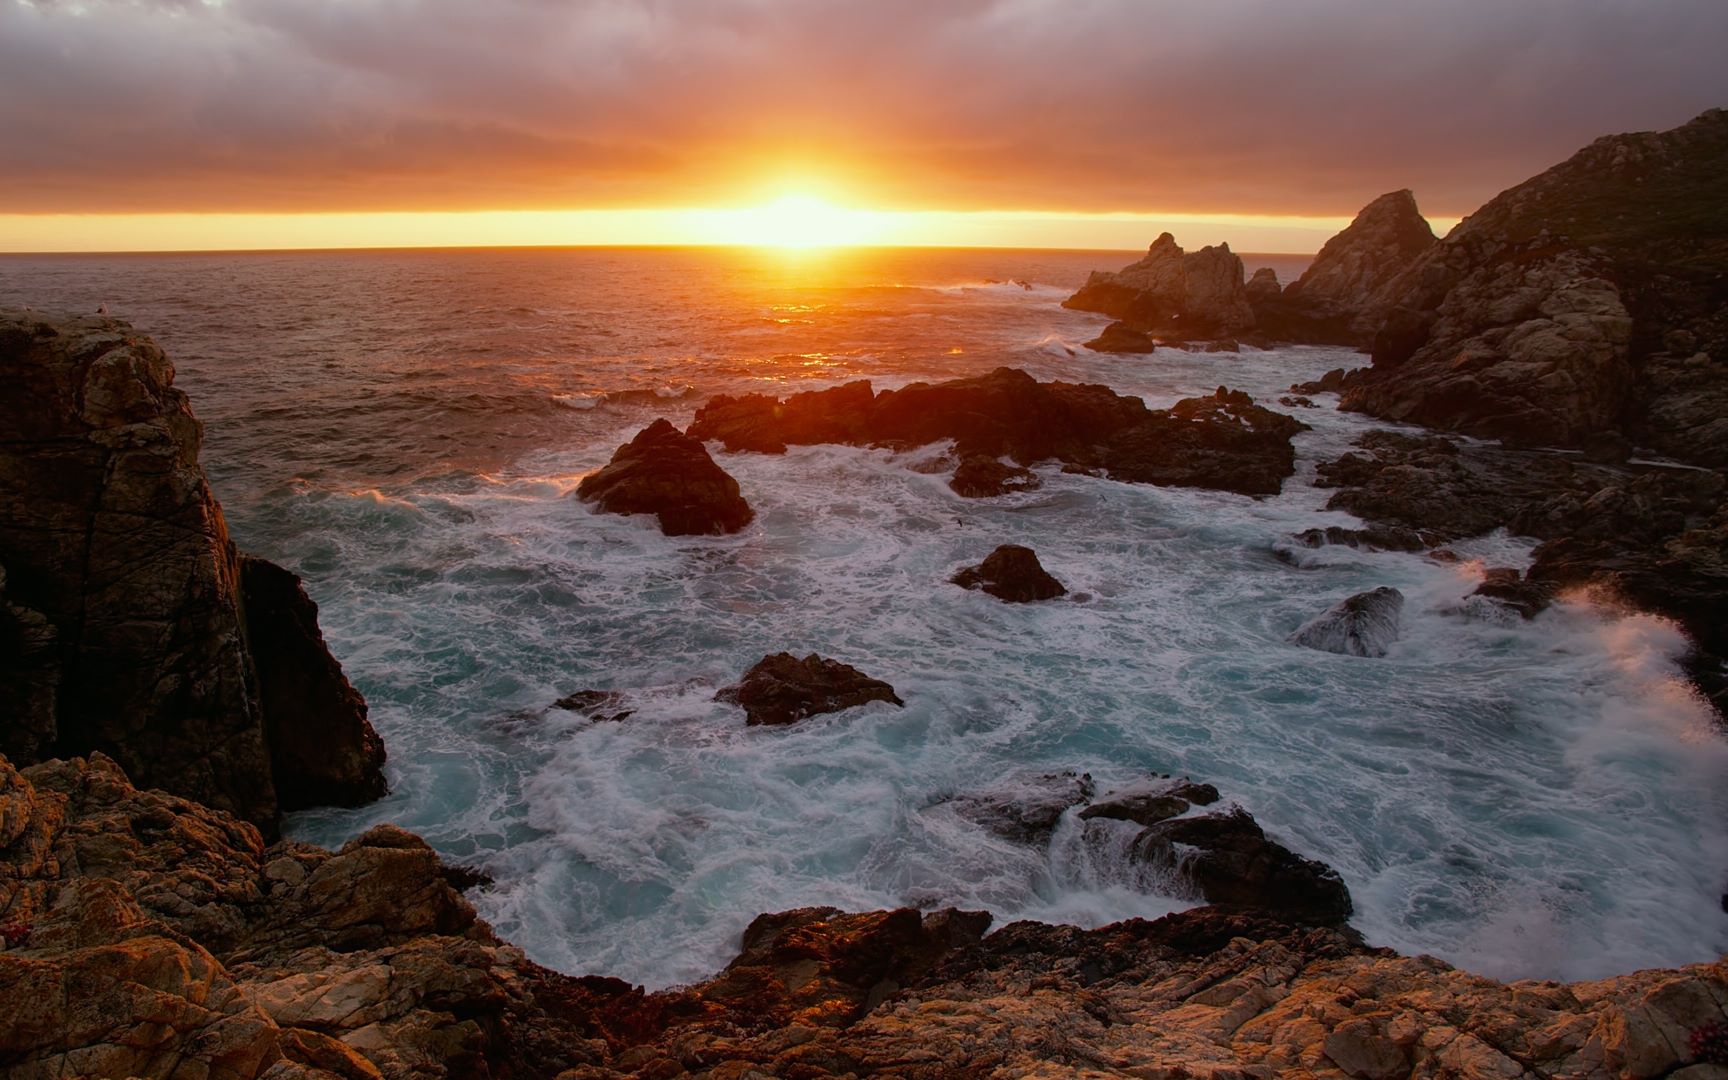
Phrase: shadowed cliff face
(1588, 299)
(127, 599)
(193, 949)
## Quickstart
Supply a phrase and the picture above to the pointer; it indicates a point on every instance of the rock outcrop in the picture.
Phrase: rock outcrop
(668, 474)
(1119, 337)
(1588, 299)
(782, 689)
(1172, 293)
(1011, 573)
(1344, 295)
(1363, 625)
(1232, 863)
(141, 632)
(1223, 441)
(148, 936)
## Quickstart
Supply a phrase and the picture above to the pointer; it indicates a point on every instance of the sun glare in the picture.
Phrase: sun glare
(794, 221)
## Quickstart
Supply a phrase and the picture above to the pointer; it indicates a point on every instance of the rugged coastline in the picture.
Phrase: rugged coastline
(162, 933)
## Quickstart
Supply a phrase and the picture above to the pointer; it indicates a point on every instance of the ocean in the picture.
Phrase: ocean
(406, 430)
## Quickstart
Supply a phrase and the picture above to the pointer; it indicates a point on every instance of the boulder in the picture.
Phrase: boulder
(767, 425)
(670, 475)
(1119, 337)
(1363, 625)
(1582, 301)
(980, 476)
(1507, 587)
(1373, 538)
(1232, 863)
(1263, 286)
(129, 605)
(782, 689)
(1224, 442)
(1011, 573)
(1172, 293)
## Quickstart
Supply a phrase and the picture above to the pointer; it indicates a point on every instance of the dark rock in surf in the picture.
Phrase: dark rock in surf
(1364, 625)
(602, 705)
(782, 689)
(980, 476)
(1330, 383)
(767, 425)
(1224, 442)
(1291, 401)
(133, 627)
(1511, 590)
(1119, 337)
(670, 475)
(1027, 808)
(1233, 864)
(322, 749)
(1372, 538)
(1173, 293)
(1011, 573)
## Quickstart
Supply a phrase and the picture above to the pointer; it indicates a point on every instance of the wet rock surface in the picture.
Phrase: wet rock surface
(1363, 625)
(782, 689)
(666, 473)
(140, 631)
(1013, 574)
(980, 476)
(1119, 337)
(1232, 863)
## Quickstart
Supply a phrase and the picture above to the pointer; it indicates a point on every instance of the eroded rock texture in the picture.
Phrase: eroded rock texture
(1172, 293)
(126, 597)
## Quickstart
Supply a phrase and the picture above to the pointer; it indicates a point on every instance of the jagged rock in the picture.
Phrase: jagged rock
(1509, 588)
(1330, 383)
(1363, 625)
(980, 476)
(1352, 272)
(1169, 292)
(1012, 573)
(1152, 803)
(1291, 401)
(1573, 304)
(1224, 441)
(782, 689)
(1024, 808)
(1119, 337)
(670, 475)
(323, 752)
(123, 586)
(1232, 863)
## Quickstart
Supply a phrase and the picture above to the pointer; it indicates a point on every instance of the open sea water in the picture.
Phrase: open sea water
(406, 430)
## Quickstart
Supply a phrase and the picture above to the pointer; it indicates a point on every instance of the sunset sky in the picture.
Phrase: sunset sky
(153, 124)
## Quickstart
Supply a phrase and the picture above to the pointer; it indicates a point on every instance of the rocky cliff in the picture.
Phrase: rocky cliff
(146, 935)
(138, 630)
(1591, 299)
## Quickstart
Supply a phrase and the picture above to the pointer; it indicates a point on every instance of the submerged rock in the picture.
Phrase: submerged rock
(980, 476)
(670, 475)
(1024, 808)
(782, 689)
(603, 705)
(139, 630)
(1012, 573)
(1364, 625)
(1232, 863)
(1119, 337)
(1373, 538)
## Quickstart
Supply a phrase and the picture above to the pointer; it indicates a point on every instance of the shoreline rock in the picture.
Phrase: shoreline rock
(143, 633)
(782, 689)
(1012, 574)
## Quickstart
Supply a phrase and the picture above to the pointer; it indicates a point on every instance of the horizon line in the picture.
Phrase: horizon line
(793, 252)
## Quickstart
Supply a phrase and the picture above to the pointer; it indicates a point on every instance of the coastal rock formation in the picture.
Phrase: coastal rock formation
(1364, 625)
(1223, 441)
(670, 475)
(782, 689)
(149, 936)
(1119, 337)
(1232, 863)
(1342, 297)
(1011, 573)
(980, 476)
(1173, 293)
(1587, 299)
(1373, 538)
(1263, 286)
(141, 632)
(1149, 804)
(1024, 809)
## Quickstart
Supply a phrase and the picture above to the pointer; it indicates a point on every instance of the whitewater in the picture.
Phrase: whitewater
(406, 429)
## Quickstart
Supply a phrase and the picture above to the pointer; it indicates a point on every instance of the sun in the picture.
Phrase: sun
(796, 221)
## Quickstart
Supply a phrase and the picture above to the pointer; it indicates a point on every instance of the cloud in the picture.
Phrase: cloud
(1271, 106)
